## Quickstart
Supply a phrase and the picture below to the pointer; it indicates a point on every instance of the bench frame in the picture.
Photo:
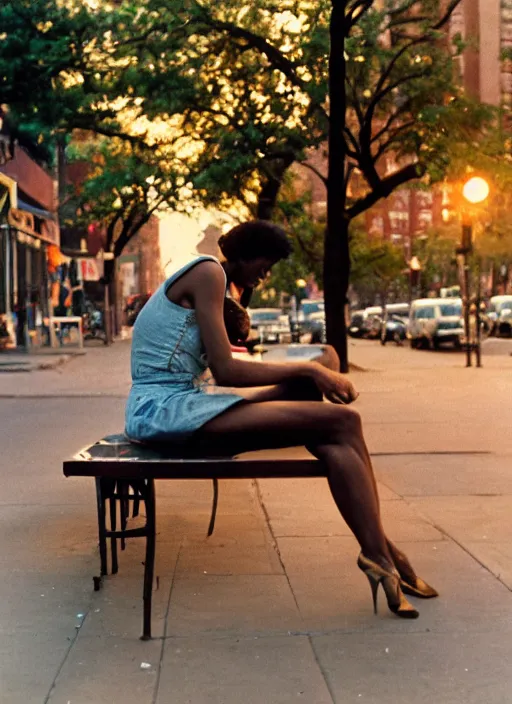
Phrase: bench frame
(121, 482)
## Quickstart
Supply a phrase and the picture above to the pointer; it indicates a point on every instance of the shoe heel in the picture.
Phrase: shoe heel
(390, 580)
(374, 586)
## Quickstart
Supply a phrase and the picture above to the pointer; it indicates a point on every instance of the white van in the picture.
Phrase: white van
(500, 313)
(433, 321)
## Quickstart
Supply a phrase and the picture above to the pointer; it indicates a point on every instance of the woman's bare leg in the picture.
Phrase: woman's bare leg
(305, 390)
(334, 435)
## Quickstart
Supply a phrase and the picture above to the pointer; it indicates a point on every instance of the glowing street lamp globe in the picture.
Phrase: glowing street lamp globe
(475, 190)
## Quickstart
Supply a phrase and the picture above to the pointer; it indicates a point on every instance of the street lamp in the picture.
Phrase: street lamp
(475, 191)
(414, 276)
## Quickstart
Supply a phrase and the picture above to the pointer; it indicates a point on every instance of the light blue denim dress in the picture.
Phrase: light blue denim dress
(168, 400)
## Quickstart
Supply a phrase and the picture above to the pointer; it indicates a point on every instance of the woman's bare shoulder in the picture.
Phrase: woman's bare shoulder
(208, 272)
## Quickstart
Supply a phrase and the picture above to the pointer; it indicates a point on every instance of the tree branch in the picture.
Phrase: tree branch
(447, 15)
(275, 56)
(354, 16)
(385, 188)
(394, 116)
(351, 138)
(307, 250)
(315, 171)
(404, 8)
(378, 94)
(387, 144)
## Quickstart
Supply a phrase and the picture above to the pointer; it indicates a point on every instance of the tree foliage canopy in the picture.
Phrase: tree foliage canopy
(240, 93)
(231, 96)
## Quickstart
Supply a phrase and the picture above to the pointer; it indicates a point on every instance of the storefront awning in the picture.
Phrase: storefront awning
(38, 212)
(22, 218)
(8, 193)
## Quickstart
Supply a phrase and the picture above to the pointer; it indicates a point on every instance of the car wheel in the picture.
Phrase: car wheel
(414, 344)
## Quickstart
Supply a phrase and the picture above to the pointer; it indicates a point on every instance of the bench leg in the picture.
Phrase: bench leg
(100, 501)
(113, 525)
(136, 500)
(123, 490)
(149, 564)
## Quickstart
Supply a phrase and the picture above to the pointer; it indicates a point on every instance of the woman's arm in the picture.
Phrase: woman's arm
(207, 283)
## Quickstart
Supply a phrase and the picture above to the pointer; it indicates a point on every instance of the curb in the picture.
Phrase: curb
(34, 365)
(53, 365)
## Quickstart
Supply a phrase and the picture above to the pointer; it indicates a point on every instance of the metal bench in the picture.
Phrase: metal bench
(125, 474)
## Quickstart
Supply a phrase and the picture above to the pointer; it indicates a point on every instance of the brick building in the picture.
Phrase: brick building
(139, 266)
(28, 228)
(488, 23)
(407, 213)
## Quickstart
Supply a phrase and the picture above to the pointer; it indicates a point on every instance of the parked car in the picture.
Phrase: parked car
(315, 326)
(372, 325)
(270, 324)
(434, 321)
(311, 320)
(308, 306)
(355, 328)
(500, 315)
(372, 319)
(394, 330)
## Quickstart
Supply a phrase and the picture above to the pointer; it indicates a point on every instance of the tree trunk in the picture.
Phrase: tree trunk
(336, 279)
(336, 250)
(267, 197)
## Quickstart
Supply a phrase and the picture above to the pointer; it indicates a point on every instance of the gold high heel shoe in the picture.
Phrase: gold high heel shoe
(397, 603)
(410, 583)
(421, 589)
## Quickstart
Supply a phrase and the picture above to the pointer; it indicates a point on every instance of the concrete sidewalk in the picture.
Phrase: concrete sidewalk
(45, 358)
(272, 607)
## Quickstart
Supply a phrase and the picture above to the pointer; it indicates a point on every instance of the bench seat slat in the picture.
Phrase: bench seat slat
(218, 468)
(115, 457)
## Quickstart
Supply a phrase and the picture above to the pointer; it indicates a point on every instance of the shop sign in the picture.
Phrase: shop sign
(24, 222)
(89, 269)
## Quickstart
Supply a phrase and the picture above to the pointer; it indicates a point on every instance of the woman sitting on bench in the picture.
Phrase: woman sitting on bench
(181, 331)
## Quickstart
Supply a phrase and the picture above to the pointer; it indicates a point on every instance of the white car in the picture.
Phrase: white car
(500, 314)
(433, 321)
(270, 324)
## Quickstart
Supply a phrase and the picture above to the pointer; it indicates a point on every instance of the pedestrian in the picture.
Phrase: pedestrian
(181, 331)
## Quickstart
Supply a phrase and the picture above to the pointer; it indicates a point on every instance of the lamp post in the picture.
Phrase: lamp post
(414, 277)
(107, 320)
(298, 295)
(475, 191)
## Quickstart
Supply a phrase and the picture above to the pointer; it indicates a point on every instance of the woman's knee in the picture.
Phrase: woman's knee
(344, 420)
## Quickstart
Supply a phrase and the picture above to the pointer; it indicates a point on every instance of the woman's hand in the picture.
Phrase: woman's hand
(334, 386)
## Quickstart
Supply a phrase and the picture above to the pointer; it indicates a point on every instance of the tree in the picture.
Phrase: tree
(246, 91)
(393, 105)
(378, 268)
(125, 185)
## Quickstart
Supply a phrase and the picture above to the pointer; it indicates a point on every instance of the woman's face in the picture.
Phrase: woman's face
(250, 273)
